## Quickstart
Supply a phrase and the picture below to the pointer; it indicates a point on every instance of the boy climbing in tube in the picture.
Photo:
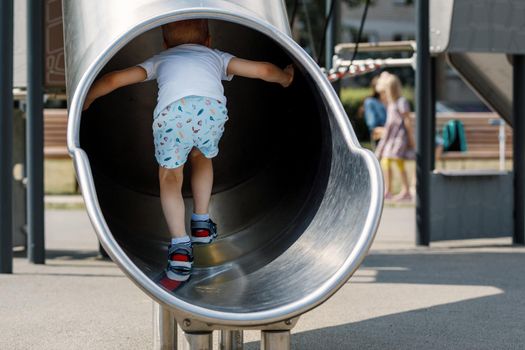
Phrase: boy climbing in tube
(188, 122)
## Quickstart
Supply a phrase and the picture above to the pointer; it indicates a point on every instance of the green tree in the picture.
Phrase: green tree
(310, 16)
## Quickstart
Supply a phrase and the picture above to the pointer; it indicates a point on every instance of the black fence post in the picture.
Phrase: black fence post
(424, 139)
(331, 31)
(35, 131)
(6, 136)
(434, 66)
(518, 142)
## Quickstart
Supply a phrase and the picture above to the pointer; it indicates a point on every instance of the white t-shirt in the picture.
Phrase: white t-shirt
(187, 70)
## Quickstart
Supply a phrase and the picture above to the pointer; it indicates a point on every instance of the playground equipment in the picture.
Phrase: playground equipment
(479, 46)
(487, 54)
(297, 205)
(344, 66)
(479, 39)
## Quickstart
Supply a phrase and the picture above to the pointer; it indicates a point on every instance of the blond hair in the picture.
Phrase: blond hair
(392, 87)
(380, 82)
(192, 31)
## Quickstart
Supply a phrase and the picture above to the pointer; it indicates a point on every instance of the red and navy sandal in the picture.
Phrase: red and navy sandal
(180, 261)
(203, 232)
(180, 264)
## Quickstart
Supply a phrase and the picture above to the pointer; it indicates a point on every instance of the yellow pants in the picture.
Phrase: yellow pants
(387, 163)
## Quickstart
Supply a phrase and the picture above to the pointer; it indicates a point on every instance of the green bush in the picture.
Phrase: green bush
(352, 99)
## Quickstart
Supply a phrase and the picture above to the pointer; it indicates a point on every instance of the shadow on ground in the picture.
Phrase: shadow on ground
(55, 254)
(484, 320)
(489, 322)
(65, 263)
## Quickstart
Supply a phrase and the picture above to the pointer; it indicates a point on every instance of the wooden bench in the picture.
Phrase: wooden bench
(55, 139)
(55, 133)
(482, 137)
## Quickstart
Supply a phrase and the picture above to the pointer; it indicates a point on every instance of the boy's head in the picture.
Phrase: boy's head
(192, 31)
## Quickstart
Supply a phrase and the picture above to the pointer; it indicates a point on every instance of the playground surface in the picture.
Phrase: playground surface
(454, 295)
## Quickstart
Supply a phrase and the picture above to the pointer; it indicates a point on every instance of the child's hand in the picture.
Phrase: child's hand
(289, 71)
(87, 102)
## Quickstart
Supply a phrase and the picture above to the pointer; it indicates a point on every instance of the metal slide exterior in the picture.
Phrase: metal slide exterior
(297, 200)
(490, 76)
(479, 37)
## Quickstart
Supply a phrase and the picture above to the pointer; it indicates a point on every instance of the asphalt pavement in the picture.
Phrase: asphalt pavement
(453, 295)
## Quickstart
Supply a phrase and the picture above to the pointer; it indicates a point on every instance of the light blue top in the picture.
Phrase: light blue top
(375, 113)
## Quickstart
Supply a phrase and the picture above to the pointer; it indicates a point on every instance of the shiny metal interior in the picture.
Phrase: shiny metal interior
(296, 199)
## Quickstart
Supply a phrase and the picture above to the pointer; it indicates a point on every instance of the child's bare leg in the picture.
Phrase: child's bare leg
(201, 181)
(388, 176)
(405, 190)
(203, 229)
(389, 179)
(180, 252)
(171, 200)
(404, 180)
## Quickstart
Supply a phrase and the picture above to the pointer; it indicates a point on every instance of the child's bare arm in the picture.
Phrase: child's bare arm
(112, 81)
(408, 125)
(261, 70)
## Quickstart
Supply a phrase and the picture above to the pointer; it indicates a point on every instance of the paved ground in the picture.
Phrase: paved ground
(465, 295)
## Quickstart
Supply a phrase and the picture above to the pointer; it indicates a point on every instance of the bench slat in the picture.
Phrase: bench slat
(55, 133)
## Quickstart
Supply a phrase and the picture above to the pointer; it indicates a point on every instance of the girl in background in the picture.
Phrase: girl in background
(397, 143)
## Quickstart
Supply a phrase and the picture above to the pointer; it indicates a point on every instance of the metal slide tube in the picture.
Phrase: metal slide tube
(275, 340)
(291, 181)
(198, 341)
(231, 340)
(6, 136)
(164, 328)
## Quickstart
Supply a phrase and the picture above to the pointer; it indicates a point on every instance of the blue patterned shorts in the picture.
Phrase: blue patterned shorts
(193, 121)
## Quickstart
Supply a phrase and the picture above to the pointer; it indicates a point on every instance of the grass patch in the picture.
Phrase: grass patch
(65, 206)
(59, 176)
(355, 96)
